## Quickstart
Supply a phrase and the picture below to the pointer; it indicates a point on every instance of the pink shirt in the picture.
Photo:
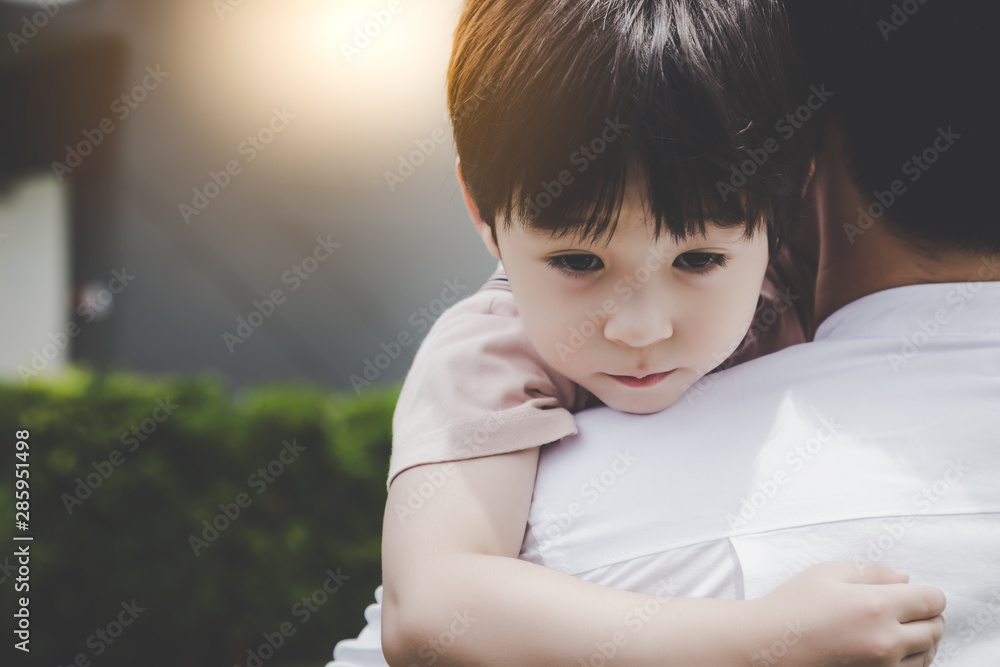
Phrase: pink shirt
(477, 387)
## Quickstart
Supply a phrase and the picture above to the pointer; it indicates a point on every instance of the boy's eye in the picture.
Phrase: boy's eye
(700, 262)
(576, 264)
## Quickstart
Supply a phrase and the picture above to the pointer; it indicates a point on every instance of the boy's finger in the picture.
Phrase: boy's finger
(863, 572)
(919, 660)
(921, 640)
(915, 602)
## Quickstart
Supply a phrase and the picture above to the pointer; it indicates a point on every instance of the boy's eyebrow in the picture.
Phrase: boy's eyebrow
(740, 240)
(555, 235)
(713, 232)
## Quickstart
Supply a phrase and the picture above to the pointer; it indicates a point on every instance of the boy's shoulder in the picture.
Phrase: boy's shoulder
(477, 387)
(480, 312)
(480, 345)
(485, 300)
(493, 299)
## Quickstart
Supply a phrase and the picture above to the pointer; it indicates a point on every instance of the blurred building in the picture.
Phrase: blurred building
(263, 189)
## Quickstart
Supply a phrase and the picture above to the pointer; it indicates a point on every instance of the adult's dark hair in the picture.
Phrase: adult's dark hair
(674, 93)
(912, 77)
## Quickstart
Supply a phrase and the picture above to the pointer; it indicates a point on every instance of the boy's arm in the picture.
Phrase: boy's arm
(450, 569)
(456, 594)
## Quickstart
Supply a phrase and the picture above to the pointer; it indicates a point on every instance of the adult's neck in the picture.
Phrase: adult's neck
(855, 261)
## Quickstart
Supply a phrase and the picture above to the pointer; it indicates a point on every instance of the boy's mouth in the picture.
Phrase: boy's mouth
(645, 381)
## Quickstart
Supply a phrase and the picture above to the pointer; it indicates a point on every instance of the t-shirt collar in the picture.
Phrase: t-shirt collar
(953, 309)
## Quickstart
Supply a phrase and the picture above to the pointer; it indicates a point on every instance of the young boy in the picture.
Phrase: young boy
(627, 162)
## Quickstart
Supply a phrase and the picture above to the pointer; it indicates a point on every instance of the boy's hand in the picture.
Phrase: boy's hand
(832, 614)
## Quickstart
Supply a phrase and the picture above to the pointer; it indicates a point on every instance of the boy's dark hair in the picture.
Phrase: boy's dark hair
(680, 93)
(907, 74)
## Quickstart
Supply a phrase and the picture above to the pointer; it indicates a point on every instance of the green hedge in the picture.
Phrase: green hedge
(135, 536)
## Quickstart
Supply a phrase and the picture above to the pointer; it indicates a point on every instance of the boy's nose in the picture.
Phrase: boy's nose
(642, 321)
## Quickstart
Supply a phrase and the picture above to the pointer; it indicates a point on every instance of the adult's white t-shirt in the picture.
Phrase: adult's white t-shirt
(878, 441)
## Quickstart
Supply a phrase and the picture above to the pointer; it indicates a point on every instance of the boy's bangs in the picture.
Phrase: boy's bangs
(566, 169)
(679, 192)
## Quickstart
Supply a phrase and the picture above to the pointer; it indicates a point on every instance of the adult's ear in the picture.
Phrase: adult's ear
(809, 177)
(485, 231)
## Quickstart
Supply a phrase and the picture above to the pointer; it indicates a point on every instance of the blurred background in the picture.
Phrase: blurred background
(361, 99)
(248, 209)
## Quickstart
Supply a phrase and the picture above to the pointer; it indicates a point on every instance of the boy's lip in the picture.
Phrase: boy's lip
(644, 381)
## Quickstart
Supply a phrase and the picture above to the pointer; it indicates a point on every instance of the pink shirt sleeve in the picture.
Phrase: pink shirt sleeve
(477, 388)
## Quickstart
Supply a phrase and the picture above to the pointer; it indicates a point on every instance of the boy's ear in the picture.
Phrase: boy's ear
(484, 230)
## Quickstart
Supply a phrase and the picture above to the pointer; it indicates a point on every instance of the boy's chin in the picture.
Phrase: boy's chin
(639, 405)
